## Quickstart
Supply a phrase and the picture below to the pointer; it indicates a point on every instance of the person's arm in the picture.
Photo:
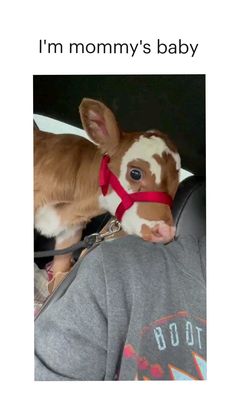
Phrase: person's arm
(71, 335)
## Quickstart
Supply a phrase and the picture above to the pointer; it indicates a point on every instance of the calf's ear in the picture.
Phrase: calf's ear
(100, 124)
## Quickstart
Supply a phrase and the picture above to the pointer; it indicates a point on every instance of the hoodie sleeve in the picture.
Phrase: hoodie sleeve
(71, 335)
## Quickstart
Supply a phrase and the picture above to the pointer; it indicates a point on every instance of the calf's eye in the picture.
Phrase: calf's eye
(135, 174)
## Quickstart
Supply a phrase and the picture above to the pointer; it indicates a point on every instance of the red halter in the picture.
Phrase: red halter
(106, 178)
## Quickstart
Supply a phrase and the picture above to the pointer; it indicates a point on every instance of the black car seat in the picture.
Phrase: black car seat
(189, 207)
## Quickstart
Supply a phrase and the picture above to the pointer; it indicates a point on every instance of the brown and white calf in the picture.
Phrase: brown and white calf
(67, 193)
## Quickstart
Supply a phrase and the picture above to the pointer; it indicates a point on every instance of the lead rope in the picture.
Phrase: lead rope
(86, 243)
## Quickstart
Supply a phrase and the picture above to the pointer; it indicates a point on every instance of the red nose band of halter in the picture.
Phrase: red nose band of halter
(106, 178)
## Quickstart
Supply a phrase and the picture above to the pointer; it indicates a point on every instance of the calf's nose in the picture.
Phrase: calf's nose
(160, 233)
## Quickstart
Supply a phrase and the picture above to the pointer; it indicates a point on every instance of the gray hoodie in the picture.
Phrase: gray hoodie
(135, 311)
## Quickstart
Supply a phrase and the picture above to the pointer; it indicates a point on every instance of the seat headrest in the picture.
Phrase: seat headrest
(189, 207)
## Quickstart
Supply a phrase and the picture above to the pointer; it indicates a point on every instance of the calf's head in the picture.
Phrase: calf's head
(139, 174)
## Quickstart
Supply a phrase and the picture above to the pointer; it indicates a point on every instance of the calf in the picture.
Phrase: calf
(132, 175)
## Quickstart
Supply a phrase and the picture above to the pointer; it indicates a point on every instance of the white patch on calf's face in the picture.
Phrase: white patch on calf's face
(163, 147)
(132, 223)
(144, 149)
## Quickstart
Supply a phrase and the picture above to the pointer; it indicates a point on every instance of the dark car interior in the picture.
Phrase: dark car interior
(174, 104)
